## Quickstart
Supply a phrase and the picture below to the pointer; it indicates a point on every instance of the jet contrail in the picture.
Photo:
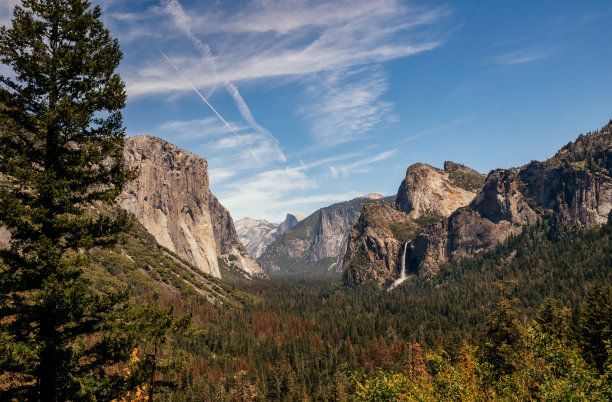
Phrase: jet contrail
(181, 20)
(208, 103)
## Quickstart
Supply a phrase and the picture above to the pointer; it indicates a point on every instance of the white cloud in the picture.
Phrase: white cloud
(279, 38)
(259, 194)
(219, 175)
(349, 106)
(212, 139)
(199, 128)
(359, 166)
(437, 129)
(521, 56)
(182, 22)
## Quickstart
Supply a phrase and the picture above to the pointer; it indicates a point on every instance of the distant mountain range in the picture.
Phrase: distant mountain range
(257, 234)
(315, 246)
(437, 215)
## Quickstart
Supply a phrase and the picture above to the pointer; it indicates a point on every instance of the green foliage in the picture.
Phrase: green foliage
(550, 370)
(61, 144)
(595, 325)
(504, 338)
(466, 180)
(407, 231)
(318, 340)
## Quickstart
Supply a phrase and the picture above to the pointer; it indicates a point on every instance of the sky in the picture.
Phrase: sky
(298, 104)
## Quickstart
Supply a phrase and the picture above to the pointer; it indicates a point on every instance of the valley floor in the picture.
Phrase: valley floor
(528, 320)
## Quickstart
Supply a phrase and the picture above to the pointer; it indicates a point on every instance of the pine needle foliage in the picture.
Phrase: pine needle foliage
(61, 141)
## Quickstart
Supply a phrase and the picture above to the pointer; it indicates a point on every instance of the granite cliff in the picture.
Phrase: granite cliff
(257, 234)
(171, 199)
(572, 190)
(426, 195)
(315, 246)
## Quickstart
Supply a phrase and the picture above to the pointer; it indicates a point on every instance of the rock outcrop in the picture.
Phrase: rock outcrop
(257, 234)
(290, 221)
(374, 251)
(573, 190)
(171, 199)
(425, 196)
(315, 246)
(429, 190)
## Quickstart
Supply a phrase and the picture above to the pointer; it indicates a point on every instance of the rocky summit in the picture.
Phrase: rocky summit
(455, 213)
(172, 200)
(429, 190)
(573, 190)
(425, 196)
(257, 234)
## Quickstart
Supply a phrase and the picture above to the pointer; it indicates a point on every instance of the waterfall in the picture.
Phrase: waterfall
(403, 276)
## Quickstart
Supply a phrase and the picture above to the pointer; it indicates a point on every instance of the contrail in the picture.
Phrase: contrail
(181, 20)
(208, 103)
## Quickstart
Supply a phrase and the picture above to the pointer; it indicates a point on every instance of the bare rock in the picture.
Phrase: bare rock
(171, 199)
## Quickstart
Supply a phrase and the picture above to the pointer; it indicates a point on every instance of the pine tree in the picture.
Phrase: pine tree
(595, 325)
(61, 140)
(504, 338)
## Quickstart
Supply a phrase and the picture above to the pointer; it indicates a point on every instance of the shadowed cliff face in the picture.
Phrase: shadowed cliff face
(315, 246)
(573, 189)
(425, 196)
(373, 251)
(171, 199)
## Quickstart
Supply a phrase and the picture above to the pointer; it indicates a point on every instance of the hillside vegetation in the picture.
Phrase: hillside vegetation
(319, 340)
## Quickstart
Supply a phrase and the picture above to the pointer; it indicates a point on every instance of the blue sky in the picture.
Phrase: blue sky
(328, 100)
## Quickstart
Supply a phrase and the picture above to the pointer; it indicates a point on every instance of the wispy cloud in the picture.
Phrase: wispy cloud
(181, 20)
(219, 175)
(212, 139)
(434, 130)
(349, 106)
(330, 52)
(260, 193)
(209, 127)
(359, 166)
(283, 38)
(521, 56)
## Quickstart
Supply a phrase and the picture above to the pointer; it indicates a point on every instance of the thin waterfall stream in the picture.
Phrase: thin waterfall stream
(403, 275)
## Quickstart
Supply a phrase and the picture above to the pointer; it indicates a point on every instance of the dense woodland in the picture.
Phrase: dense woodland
(82, 319)
(531, 318)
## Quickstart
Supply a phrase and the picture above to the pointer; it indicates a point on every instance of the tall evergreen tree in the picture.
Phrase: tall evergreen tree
(61, 140)
(504, 338)
(595, 325)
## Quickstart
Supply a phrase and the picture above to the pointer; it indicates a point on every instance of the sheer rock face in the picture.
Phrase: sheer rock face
(171, 199)
(373, 252)
(290, 221)
(573, 189)
(316, 244)
(425, 196)
(429, 190)
(257, 234)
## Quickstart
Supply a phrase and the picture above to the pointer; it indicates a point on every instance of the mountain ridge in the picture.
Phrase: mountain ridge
(573, 190)
(315, 246)
(257, 234)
